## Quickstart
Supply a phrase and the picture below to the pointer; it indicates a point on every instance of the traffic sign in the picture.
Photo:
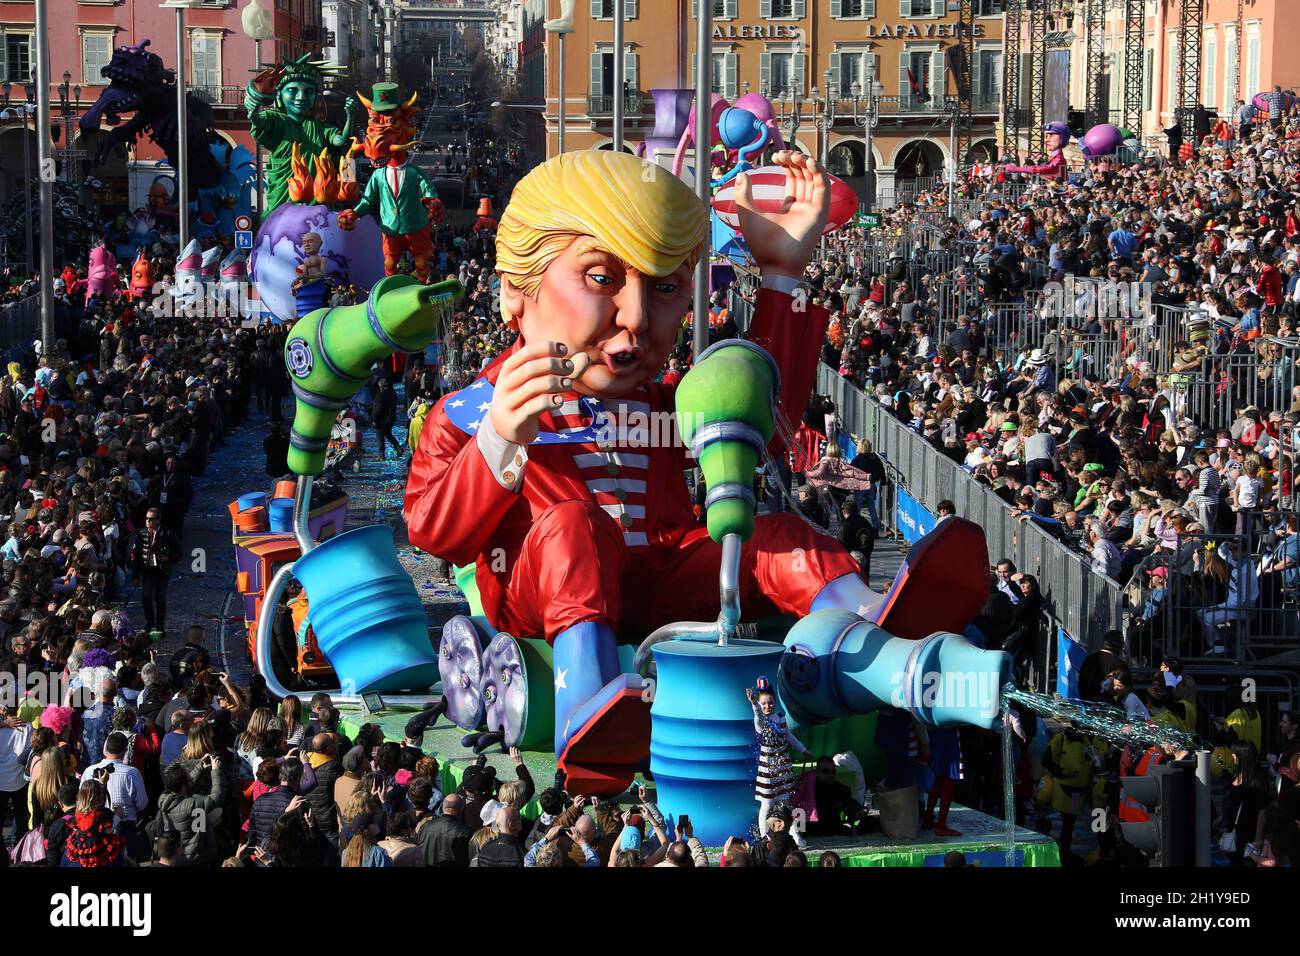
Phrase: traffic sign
(243, 239)
(244, 223)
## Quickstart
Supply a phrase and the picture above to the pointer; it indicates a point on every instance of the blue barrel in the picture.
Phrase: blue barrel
(366, 613)
(703, 748)
(281, 515)
(310, 297)
(252, 499)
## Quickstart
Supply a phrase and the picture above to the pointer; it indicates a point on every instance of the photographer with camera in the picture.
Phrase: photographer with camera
(192, 817)
(127, 797)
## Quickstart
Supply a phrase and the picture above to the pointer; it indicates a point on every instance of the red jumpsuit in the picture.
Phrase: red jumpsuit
(548, 557)
(1054, 168)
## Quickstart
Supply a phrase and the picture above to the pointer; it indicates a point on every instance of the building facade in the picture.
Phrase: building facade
(351, 40)
(82, 36)
(1243, 52)
(804, 55)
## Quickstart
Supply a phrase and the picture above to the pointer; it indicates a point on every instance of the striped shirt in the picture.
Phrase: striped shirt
(1207, 488)
(616, 471)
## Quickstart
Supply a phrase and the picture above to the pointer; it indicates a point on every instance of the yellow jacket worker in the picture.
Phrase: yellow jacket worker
(1068, 762)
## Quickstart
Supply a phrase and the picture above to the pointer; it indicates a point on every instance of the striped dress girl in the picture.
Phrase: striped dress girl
(775, 779)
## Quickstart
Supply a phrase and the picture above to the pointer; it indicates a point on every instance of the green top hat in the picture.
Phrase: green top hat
(384, 98)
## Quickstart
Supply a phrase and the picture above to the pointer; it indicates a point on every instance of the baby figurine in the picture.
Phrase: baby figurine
(313, 266)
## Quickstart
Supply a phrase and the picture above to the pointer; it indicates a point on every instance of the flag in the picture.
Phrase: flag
(1069, 658)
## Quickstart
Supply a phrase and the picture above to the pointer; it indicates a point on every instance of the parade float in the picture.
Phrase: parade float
(543, 661)
(309, 178)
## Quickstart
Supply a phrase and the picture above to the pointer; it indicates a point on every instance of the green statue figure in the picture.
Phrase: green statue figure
(279, 102)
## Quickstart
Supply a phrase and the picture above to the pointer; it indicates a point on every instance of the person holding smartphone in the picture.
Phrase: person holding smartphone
(15, 743)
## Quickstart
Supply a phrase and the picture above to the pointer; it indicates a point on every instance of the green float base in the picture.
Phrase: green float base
(982, 838)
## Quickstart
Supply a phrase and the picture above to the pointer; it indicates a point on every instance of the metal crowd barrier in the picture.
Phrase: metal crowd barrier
(20, 322)
(1076, 598)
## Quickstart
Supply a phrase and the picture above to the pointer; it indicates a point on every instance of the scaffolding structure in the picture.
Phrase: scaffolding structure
(1096, 80)
(1037, 75)
(1134, 63)
(1191, 21)
(1011, 30)
(965, 129)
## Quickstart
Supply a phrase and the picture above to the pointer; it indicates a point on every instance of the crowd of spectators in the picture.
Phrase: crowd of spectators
(102, 432)
(1161, 448)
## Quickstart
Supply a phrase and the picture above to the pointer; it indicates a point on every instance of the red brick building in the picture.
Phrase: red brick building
(82, 35)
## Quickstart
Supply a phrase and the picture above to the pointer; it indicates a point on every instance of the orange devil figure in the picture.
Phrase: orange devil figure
(141, 277)
(397, 194)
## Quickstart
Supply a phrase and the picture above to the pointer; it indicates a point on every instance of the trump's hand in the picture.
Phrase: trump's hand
(783, 241)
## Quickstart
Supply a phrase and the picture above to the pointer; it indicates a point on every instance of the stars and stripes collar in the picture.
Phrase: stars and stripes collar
(465, 409)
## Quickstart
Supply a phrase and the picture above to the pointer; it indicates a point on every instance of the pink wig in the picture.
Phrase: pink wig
(58, 719)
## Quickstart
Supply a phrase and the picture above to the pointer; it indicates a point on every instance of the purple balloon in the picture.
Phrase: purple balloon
(1102, 140)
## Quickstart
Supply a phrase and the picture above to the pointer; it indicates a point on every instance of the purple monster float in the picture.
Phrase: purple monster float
(140, 84)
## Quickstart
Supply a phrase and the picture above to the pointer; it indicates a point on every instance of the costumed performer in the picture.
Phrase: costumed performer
(398, 193)
(573, 539)
(775, 778)
(1058, 135)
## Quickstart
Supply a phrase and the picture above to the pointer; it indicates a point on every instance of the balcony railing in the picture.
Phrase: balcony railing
(911, 105)
(220, 97)
(604, 105)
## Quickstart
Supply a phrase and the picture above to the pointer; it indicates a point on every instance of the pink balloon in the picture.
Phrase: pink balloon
(719, 104)
(758, 104)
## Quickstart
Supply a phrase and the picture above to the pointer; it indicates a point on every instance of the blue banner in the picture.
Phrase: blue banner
(1069, 658)
(914, 521)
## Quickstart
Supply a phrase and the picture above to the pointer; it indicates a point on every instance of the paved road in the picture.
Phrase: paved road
(203, 591)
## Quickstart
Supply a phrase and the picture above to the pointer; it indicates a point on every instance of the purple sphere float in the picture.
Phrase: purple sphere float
(355, 258)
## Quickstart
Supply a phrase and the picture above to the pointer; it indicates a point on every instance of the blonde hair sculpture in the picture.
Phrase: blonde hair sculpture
(638, 211)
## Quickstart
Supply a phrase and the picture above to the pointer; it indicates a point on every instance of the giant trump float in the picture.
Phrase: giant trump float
(607, 624)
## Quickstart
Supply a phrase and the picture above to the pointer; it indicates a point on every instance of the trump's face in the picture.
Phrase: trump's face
(591, 300)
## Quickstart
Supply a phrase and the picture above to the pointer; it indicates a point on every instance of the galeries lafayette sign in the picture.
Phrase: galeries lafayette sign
(918, 30)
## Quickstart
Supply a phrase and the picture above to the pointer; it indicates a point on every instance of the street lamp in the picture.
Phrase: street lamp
(23, 111)
(68, 100)
(45, 162)
(795, 106)
(182, 126)
(826, 120)
(257, 25)
(865, 117)
(560, 26)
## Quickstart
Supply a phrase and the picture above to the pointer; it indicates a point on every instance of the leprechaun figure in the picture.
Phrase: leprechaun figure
(397, 193)
(576, 538)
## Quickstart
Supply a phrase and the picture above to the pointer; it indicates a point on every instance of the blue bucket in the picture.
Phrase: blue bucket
(366, 613)
(252, 499)
(281, 515)
(703, 749)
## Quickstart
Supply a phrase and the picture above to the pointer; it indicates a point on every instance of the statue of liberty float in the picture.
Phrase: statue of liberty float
(321, 225)
(595, 630)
